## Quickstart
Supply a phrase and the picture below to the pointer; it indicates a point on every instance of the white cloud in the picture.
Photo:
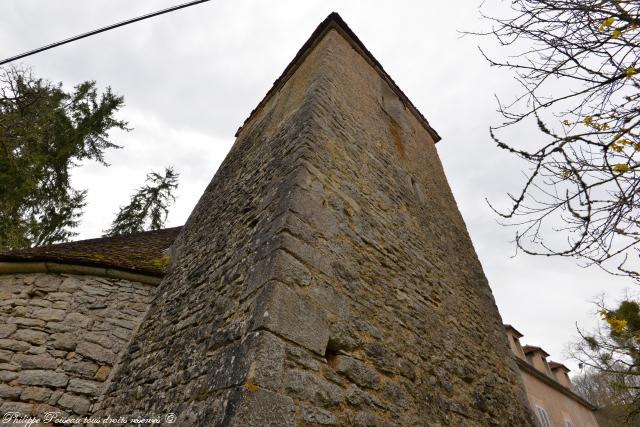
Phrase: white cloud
(190, 79)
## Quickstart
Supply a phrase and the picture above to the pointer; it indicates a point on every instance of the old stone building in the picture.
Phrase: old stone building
(325, 277)
(66, 314)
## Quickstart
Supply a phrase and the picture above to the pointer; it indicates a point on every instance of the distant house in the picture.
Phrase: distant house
(549, 388)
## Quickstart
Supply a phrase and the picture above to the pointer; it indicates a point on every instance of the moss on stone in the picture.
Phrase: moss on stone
(161, 263)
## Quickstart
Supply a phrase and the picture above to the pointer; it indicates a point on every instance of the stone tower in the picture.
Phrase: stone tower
(325, 277)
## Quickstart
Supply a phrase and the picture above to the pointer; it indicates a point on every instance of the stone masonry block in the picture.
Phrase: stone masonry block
(43, 377)
(260, 408)
(286, 313)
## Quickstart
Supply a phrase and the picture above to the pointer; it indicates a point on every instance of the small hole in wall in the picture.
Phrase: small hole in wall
(330, 354)
(253, 223)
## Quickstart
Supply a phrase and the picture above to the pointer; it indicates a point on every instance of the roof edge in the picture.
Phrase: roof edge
(68, 268)
(335, 21)
(533, 348)
(551, 382)
(557, 365)
(53, 260)
(510, 327)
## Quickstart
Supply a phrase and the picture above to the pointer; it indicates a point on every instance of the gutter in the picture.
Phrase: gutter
(61, 268)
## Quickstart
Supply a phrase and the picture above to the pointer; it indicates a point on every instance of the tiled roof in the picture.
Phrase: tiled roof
(137, 252)
(555, 365)
(517, 332)
(531, 348)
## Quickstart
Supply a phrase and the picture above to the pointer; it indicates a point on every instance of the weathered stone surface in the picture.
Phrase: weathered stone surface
(77, 320)
(46, 283)
(30, 335)
(84, 369)
(7, 376)
(329, 227)
(320, 416)
(25, 321)
(308, 386)
(95, 352)
(45, 411)
(64, 341)
(290, 315)
(55, 396)
(260, 408)
(302, 358)
(77, 404)
(19, 407)
(70, 284)
(50, 314)
(83, 386)
(102, 373)
(366, 419)
(104, 339)
(9, 366)
(44, 326)
(10, 392)
(36, 361)
(6, 355)
(39, 394)
(42, 377)
(38, 350)
(7, 329)
(357, 371)
(14, 345)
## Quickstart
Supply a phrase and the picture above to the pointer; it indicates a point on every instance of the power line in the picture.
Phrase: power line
(100, 30)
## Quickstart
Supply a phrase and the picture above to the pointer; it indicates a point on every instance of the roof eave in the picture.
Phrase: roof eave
(549, 381)
(29, 267)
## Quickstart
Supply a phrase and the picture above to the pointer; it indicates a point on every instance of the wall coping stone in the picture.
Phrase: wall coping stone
(62, 268)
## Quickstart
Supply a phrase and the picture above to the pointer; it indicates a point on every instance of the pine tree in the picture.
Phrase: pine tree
(149, 206)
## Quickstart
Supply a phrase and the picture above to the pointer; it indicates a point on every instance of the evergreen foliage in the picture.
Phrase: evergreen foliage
(611, 358)
(44, 132)
(149, 206)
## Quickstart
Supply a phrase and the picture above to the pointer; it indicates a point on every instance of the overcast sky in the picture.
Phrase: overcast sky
(191, 77)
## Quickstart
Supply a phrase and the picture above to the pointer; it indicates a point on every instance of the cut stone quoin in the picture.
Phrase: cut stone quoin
(326, 275)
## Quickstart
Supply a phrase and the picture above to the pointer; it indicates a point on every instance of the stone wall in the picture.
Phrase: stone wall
(60, 337)
(325, 277)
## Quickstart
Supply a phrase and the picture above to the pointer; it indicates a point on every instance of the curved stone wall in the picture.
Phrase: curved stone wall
(61, 336)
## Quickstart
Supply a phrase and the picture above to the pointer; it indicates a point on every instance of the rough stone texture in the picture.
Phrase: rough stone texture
(325, 277)
(60, 338)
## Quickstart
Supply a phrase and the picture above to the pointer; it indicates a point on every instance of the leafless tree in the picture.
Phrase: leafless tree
(577, 62)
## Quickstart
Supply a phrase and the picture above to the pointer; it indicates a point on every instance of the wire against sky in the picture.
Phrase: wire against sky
(100, 30)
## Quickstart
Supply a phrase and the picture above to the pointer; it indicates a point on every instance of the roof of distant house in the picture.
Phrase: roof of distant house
(555, 365)
(531, 348)
(517, 332)
(142, 253)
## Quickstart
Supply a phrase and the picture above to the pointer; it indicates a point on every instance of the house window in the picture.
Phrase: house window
(542, 415)
(568, 423)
